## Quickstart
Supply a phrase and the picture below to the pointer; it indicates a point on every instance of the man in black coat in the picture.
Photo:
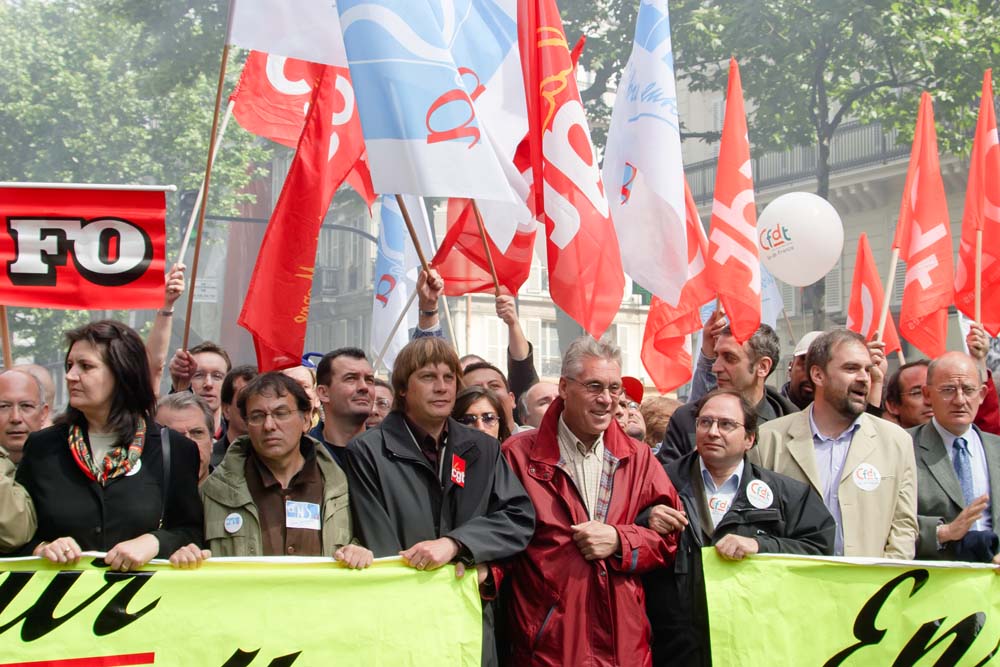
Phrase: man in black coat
(426, 488)
(744, 368)
(730, 504)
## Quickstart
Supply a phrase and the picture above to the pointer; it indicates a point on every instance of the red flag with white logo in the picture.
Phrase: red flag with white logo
(276, 309)
(733, 260)
(924, 242)
(584, 261)
(666, 345)
(272, 99)
(82, 247)
(867, 297)
(982, 213)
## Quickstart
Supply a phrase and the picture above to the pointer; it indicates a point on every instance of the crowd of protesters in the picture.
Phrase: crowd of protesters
(580, 507)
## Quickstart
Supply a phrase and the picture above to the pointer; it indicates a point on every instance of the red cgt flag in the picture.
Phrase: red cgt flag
(867, 297)
(982, 213)
(924, 242)
(584, 261)
(91, 249)
(733, 260)
(666, 347)
(273, 96)
(276, 309)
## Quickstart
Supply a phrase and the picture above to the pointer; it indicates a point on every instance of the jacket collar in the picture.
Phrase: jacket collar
(545, 448)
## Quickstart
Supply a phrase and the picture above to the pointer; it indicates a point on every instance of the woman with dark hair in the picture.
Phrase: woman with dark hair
(479, 408)
(98, 477)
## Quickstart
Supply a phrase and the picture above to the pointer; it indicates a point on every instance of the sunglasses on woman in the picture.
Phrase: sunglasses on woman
(487, 418)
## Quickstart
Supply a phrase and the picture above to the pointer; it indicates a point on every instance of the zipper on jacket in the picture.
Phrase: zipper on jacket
(541, 630)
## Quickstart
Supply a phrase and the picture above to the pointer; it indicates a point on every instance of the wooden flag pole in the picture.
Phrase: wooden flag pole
(788, 323)
(889, 280)
(8, 356)
(208, 175)
(413, 233)
(486, 247)
(902, 359)
(201, 191)
(979, 276)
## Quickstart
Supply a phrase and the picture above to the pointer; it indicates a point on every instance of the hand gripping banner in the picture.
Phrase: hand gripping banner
(82, 247)
(260, 613)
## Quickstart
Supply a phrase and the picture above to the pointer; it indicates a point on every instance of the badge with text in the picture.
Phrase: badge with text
(866, 477)
(458, 470)
(718, 506)
(301, 515)
(759, 494)
(233, 523)
(74, 247)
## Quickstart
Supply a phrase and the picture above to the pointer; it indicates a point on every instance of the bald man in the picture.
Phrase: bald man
(44, 376)
(958, 466)
(23, 410)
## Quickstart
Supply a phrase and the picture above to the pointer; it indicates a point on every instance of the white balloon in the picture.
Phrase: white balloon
(800, 238)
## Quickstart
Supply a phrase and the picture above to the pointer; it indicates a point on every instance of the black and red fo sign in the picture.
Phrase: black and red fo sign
(91, 249)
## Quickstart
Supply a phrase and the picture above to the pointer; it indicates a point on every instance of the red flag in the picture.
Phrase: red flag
(276, 308)
(867, 297)
(982, 213)
(584, 262)
(666, 348)
(733, 261)
(924, 242)
(273, 96)
(82, 248)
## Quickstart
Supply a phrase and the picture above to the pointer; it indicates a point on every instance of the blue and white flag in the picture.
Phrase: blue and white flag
(304, 30)
(429, 77)
(396, 269)
(643, 168)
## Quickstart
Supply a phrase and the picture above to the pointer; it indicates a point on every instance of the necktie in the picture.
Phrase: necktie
(963, 468)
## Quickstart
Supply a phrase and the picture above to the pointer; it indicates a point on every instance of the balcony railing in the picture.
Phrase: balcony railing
(854, 145)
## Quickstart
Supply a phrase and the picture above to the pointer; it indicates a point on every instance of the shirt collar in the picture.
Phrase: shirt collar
(268, 479)
(566, 434)
(731, 485)
(819, 437)
(425, 441)
(947, 437)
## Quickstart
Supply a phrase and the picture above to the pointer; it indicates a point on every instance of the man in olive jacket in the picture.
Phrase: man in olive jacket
(17, 512)
(428, 489)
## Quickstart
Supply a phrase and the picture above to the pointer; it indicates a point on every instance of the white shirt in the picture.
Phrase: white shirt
(720, 498)
(831, 454)
(980, 476)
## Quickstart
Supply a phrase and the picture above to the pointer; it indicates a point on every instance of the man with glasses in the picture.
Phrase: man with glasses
(904, 395)
(958, 466)
(627, 413)
(202, 370)
(277, 492)
(862, 466)
(345, 383)
(23, 410)
(576, 597)
(381, 405)
(733, 505)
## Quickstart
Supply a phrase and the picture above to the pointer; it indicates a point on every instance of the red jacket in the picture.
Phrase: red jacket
(988, 417)
(565, 610)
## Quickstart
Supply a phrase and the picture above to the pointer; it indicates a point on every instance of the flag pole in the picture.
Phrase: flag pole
(413, 233)
(889, 280)
(486, 247)
(208, 174)
(8, 356)
(902, 359)
(979, 276)
(392, 334)
(201, 191)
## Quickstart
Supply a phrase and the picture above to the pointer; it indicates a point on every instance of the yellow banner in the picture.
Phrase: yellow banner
(237, 614)
(779, 610)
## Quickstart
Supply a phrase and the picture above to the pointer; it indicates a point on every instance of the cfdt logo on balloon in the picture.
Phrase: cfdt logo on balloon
(800, 238)
(772, 238)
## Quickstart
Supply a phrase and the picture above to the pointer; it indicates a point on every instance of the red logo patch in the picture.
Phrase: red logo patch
(458, 470)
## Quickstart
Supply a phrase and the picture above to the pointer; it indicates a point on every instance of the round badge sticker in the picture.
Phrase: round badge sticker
(233, 523)
(135, 470)
(717, 504)
(759, 494)
(866, 477)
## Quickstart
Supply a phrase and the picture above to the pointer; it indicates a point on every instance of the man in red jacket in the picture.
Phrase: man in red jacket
(576, 595)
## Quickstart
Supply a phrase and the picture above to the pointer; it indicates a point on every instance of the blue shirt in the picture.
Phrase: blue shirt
(831, 454)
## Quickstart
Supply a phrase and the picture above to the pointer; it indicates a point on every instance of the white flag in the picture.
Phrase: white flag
(643, 169)
(396, 269)
(307, 30)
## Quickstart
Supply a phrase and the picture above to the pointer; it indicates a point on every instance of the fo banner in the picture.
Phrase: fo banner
(781, 610)
(82, 248)
(263, 613)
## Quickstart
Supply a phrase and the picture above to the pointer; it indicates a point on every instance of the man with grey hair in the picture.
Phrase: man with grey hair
(535, 401)
(23, 410)
(743, 368)
(191, 416)
(576, 597)
(862, 466)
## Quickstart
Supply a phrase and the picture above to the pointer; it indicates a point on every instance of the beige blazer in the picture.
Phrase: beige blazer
(878, 523)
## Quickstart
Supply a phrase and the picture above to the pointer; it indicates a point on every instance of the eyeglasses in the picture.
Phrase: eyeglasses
(279, 415)
(629, 405)
(949, 391)
(597, 388)
(725, 425)
(24, 407)
(383, 403)
(487, 418)
(202, 375)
